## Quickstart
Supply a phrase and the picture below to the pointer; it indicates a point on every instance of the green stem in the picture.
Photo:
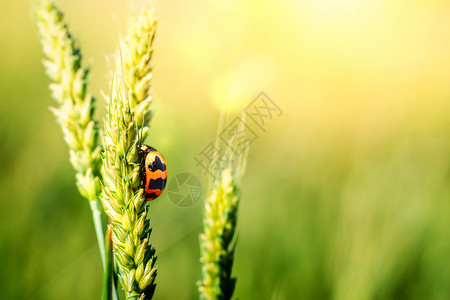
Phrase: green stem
(97, 218)
(108, 274)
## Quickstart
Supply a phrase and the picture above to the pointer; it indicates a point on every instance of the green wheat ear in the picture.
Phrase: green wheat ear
(219, 226)
(124, 201)
(75, 108)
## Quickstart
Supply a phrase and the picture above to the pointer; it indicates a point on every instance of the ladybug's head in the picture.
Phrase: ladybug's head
(144, 150)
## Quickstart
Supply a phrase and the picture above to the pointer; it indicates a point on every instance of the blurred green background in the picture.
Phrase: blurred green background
(346, 195)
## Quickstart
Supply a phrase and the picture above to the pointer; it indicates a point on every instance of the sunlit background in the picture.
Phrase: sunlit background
(346, 195)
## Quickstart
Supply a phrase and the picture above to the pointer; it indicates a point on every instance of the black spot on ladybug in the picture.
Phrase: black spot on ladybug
(157, 184)
(158, 164)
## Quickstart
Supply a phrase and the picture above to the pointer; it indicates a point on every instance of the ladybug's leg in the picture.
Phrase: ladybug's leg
(143, 178)
(142, 169)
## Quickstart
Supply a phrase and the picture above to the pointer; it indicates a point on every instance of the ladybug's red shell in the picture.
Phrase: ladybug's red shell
(154, 166)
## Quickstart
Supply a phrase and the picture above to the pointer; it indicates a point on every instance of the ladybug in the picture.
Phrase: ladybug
(154, 167)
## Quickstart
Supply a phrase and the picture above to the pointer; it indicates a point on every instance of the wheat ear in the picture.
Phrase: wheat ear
(75, 108)
(134, 59)
(219, 226)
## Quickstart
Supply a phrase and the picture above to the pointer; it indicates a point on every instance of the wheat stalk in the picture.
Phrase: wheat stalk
(75, 108)
(108, 275)
(219, 226)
